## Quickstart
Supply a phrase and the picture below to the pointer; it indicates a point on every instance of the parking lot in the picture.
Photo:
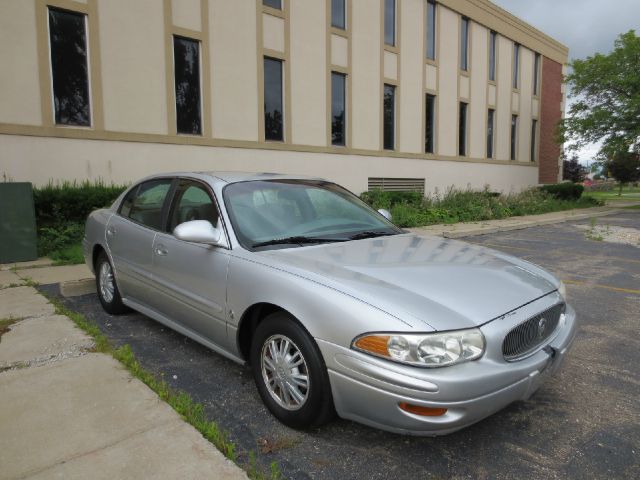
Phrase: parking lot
(583, 423)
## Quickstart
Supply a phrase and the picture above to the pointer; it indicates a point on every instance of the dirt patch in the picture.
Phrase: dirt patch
(612, 233)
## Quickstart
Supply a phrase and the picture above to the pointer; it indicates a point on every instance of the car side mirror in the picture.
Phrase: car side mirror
(385, 213)
(199, 231)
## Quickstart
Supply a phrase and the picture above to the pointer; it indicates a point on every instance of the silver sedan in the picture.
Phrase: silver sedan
(336, 309)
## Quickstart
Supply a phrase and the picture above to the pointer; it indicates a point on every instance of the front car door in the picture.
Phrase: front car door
(130, 234)
(192, 277)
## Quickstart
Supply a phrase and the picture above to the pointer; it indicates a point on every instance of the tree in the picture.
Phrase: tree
(624, 167)
(573, 170)
(607, 106)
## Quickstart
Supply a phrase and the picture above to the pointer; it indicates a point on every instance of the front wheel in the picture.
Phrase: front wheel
(290, 374)
(108, 292)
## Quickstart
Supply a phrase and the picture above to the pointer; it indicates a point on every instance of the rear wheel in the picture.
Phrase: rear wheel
(106, 286)
(290, 374)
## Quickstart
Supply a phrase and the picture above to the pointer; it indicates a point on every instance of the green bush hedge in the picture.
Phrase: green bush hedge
(412, 210)
(564, 191)
(381, 199)
(71, 201)
(61, 211)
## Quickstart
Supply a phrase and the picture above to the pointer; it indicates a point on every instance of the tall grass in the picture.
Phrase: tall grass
(410, 209)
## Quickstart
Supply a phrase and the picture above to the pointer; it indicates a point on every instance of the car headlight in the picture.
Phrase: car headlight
(426, 349)
(562, 290)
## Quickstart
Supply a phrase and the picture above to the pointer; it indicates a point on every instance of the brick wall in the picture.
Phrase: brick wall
(550, 115)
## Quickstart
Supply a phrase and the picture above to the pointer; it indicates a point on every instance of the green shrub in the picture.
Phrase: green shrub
(405, 215)
(57, 237)
(381, 199)
(564, 191)
(411, 210)
(61, 211)
(66, 202)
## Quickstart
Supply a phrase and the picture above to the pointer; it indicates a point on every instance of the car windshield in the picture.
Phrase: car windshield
(290, 213)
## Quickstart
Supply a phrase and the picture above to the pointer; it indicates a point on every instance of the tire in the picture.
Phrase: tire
(106, 286)
(285, 395)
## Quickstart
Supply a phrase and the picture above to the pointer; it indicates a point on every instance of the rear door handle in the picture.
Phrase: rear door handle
(111, 231)
(161, 250)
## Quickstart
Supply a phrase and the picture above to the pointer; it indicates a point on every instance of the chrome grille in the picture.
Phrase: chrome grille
(532, 333)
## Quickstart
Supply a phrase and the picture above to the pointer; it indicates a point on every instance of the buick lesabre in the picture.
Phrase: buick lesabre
(335, 308)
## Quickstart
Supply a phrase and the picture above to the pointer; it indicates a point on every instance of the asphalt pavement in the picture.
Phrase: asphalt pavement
(583, 423)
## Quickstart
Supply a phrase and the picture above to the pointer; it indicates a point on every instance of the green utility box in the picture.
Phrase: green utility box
(18, 237)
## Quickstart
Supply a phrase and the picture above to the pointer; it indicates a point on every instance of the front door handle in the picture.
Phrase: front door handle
(111, 231)
(161, 250)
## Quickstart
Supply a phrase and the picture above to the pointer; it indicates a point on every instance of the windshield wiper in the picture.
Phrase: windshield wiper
(297, 239)
(370, 234)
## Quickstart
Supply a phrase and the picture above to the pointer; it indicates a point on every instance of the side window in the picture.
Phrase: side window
(192, 202)
(143, 204)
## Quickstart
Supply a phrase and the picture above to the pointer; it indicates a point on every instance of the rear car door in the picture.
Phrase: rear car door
(130, 234)
(192, 277)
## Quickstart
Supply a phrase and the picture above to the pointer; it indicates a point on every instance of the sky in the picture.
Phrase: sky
(585, 26)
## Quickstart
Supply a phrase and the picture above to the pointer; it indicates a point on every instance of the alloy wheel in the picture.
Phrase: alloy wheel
(285, 372)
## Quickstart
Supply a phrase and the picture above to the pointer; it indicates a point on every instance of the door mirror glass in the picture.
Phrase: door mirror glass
(199, 231)
(385, 213)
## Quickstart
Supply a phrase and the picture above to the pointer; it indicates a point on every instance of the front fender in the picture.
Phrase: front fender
(326, 313)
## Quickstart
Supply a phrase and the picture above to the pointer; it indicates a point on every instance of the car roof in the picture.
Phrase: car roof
(234, 177)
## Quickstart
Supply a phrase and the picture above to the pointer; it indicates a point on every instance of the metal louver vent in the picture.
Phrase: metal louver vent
(397, 184)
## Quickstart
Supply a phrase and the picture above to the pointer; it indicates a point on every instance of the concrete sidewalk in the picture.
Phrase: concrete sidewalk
(66, 412)
(457, 230)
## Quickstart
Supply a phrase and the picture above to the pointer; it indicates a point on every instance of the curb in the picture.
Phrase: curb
(76, 288)
(485, 230)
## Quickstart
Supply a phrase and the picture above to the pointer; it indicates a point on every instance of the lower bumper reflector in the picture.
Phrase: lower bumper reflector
(422, 411)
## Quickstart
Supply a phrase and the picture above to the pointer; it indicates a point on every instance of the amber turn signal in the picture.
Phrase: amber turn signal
(374, 344)
(422, 411)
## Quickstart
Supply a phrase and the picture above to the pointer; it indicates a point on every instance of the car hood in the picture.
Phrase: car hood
(423, 281)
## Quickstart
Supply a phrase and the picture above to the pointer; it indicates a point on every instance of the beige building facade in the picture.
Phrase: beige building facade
(431, 94)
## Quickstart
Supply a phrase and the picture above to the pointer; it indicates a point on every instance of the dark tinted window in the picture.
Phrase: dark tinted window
(338, 14)
(536, 74)
(143, 204)
(192, 202)
(390, 22)
(462, 130)
(273, 116)
(389, 125)
(338, 110)
(464, 44)
(490, 126)
(68, 37)
(514, 132)
(516, 65)
(492, 56)
(430, 126)
(431, 30)
(534, 137)
(186, 55)
(273, 3)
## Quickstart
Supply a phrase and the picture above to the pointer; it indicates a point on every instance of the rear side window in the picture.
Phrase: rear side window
(143, 204)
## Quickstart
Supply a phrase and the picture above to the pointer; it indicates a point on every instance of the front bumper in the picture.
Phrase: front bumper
(368, 390)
